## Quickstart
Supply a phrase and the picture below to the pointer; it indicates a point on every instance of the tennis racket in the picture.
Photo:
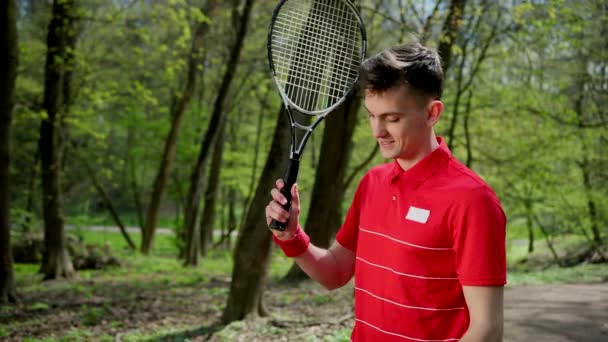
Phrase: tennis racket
(315, 50)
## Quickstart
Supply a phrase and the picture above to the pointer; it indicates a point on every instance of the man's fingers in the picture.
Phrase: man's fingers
(295, 197)
(280, 184)
(278, 196)
(275, 211)
(268, 214)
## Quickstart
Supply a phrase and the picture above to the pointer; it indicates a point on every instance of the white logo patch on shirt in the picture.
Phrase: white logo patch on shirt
(418, 215)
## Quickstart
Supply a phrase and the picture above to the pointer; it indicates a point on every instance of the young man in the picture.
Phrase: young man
(424, 236)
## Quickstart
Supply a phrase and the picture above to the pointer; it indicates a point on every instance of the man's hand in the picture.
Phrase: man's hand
(274, 210)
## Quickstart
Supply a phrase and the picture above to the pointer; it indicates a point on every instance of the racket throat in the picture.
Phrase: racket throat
(299, 137)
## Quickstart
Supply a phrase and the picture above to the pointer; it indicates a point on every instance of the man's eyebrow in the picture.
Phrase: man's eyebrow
(385, 113)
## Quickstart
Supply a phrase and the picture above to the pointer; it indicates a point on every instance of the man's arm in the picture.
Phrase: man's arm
(332, 267)
(485, 305)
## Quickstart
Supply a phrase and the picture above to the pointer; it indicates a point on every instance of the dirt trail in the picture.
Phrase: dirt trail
(556, 313)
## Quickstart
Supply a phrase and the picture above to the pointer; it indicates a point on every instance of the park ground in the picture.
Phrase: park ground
(154, 298)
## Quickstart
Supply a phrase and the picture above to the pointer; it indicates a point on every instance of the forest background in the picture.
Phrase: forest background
(139, 140)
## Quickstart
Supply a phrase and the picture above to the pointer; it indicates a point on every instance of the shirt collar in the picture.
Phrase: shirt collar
(423, 169)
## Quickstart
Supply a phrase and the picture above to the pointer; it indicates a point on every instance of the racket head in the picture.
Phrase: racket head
(315, 51)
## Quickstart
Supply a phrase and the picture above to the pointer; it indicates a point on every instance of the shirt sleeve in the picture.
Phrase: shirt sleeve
(348, 233)
(478, 230)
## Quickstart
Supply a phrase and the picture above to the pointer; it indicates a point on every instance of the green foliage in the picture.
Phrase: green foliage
(3, 332)
(91, 316)
(322, 299)
(340, 335)
(77, 335)
(38, 307)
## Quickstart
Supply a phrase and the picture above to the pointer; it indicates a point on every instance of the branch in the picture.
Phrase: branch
(426, 29)
(361, 166)
(561, 121)
(107, 202)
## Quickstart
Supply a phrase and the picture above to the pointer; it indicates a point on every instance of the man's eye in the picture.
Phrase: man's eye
(392, 118)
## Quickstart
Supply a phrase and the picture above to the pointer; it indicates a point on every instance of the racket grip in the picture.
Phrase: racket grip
(291, 174)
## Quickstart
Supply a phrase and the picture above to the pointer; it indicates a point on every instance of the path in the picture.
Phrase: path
(556, 313)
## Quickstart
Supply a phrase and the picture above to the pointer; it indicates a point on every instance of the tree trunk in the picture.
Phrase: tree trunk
(530, 224)
(349, 179)
(61, 42)
(132, 177)
(461, 85)
(232, 221)
(196, 179)
(211, 193)
(108, 204)
(228, 220)
(467, 131)
(591, 207)
(325, 214)
(457, 97)
(8, 75)
(252, 252)
(586, 169)
(550, 245)
(451, 27)
(31, 187)
(179, 106)
(258, 135)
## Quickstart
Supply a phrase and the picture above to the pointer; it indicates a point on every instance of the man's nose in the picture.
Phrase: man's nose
(378, 129)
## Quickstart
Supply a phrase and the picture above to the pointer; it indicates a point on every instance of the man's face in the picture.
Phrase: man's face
(400, 124)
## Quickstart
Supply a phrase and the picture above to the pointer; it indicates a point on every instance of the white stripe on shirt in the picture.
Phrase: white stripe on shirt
(407, 306)
(403, 336)
(403, 242)
(404, 274)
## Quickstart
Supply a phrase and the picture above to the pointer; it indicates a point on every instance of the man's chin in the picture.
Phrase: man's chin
(387, 154)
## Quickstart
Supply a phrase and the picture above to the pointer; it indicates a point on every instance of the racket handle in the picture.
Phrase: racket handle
(291, 174)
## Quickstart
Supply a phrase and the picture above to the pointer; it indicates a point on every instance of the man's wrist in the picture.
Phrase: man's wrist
(294, 245)
(284, 236)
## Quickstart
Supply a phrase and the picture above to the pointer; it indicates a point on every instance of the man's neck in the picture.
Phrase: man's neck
(424, 151)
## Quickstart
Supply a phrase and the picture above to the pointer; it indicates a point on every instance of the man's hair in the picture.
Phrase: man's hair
(413, 65)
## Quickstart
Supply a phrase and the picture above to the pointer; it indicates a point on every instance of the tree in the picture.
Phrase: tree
(211, 193)
(8, 75)
(196, 186)
(449, 32)
(253, 247)
(179, 105)
(325, 210)
(252, 251)
(473, 46)
(61, 41)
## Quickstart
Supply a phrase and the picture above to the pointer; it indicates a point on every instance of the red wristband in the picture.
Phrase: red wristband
(295, 246)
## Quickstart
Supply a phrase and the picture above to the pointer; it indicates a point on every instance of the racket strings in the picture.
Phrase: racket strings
(317, 15)
(316, 51)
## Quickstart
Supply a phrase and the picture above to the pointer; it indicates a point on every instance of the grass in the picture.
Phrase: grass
(128, 219)
(143, 275)
(561, 275)
(219, 263)
(163, 244)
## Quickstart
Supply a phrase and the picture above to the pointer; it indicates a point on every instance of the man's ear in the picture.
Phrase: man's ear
(433, 112)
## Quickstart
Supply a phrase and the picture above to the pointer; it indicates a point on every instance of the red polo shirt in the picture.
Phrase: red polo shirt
(419, 236)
